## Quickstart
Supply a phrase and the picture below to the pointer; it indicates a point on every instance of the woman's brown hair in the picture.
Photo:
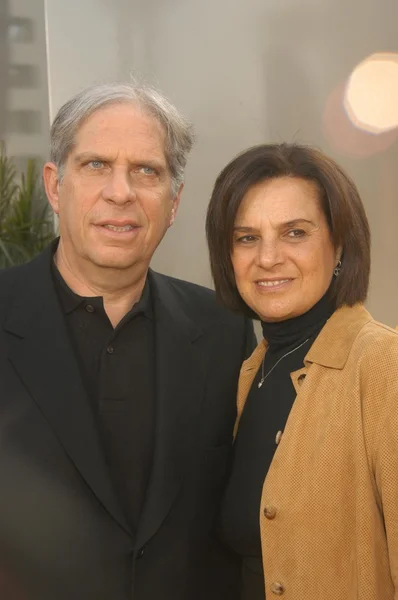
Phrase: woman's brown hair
(340, 202)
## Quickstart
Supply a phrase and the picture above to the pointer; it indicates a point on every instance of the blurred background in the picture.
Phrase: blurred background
(323, 72)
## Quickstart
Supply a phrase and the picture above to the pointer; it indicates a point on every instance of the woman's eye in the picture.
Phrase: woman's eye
(296, 233)
(245, 239)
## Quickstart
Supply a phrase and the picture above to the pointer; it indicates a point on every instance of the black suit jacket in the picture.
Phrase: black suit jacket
(63, 535)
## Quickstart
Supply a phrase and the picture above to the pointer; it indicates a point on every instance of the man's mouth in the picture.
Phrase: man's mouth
(118, 228)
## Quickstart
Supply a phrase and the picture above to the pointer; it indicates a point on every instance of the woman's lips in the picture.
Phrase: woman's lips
(272, 284)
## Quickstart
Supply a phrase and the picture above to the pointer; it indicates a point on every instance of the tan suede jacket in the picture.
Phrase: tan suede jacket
(329, 507)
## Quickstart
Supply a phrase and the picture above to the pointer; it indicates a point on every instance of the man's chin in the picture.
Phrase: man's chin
(115, 260)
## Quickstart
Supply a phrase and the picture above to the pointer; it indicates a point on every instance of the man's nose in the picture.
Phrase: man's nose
(119, 188)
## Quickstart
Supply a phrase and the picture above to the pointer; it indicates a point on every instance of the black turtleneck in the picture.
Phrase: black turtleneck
(265, 413)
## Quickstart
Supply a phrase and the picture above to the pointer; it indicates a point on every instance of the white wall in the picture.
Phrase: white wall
(32, 97)
(83, 46)
(245, 73)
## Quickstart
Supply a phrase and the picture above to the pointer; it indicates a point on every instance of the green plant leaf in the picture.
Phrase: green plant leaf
(26, 224)
(8, 186)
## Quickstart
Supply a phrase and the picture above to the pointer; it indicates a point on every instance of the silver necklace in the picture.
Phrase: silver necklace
(264, 377)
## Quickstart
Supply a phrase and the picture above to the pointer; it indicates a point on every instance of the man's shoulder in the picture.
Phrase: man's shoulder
(10, 282)
(39, 263)
(8, 277)
(24, 279)
(8, 274)
(186, 287)
(195, 297)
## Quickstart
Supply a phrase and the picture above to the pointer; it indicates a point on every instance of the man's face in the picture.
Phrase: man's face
(114, 200)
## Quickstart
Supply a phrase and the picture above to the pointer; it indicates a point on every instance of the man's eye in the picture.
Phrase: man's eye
(147, 170)
(96, 164)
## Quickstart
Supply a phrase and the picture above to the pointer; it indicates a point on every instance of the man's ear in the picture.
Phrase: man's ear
(176, 203)
(51, 185)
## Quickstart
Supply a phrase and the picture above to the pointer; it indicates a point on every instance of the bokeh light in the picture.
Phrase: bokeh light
(347, 138)
(371, 95)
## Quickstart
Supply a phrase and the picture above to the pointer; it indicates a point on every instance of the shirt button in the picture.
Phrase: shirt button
(141, 552)
(278, 437)
(89, 308)
(269, 512)
(277, 588)
(110, 349)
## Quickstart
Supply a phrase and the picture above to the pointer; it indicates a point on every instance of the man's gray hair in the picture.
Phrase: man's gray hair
(70, 117)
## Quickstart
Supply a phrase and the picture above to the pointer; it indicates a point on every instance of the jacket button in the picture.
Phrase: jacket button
(269, 512)
(277, 588)
(278, 437)
(141, 552)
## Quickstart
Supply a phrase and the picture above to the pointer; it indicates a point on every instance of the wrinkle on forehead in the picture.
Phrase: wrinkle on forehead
(280, 201)
(121, 129)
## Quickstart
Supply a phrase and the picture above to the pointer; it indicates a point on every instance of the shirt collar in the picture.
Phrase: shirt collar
(70, 300)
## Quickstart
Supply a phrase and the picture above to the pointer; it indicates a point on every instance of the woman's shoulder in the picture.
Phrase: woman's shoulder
(375, 336)
(350, 334)
(354, 325)
(374, 373)
(375, 354)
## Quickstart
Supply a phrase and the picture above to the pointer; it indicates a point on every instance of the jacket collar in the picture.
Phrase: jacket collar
(333, 344)
(41, 354)
(330, 349)
(40, 351)
(181, 365)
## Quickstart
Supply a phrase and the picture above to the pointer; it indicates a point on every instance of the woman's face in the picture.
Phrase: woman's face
(282, 254)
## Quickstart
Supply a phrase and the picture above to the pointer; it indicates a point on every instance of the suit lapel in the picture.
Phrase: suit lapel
(41, 354)
(180, 377)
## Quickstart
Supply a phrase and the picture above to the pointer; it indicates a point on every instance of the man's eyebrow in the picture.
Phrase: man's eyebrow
(88, 156)
(150, 162)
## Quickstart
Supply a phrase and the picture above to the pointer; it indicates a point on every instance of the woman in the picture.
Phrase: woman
(312, 501)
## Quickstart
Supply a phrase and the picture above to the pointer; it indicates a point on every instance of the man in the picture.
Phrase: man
(117, 384)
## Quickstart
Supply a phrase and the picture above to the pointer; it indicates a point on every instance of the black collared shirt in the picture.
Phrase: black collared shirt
(118, 368)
